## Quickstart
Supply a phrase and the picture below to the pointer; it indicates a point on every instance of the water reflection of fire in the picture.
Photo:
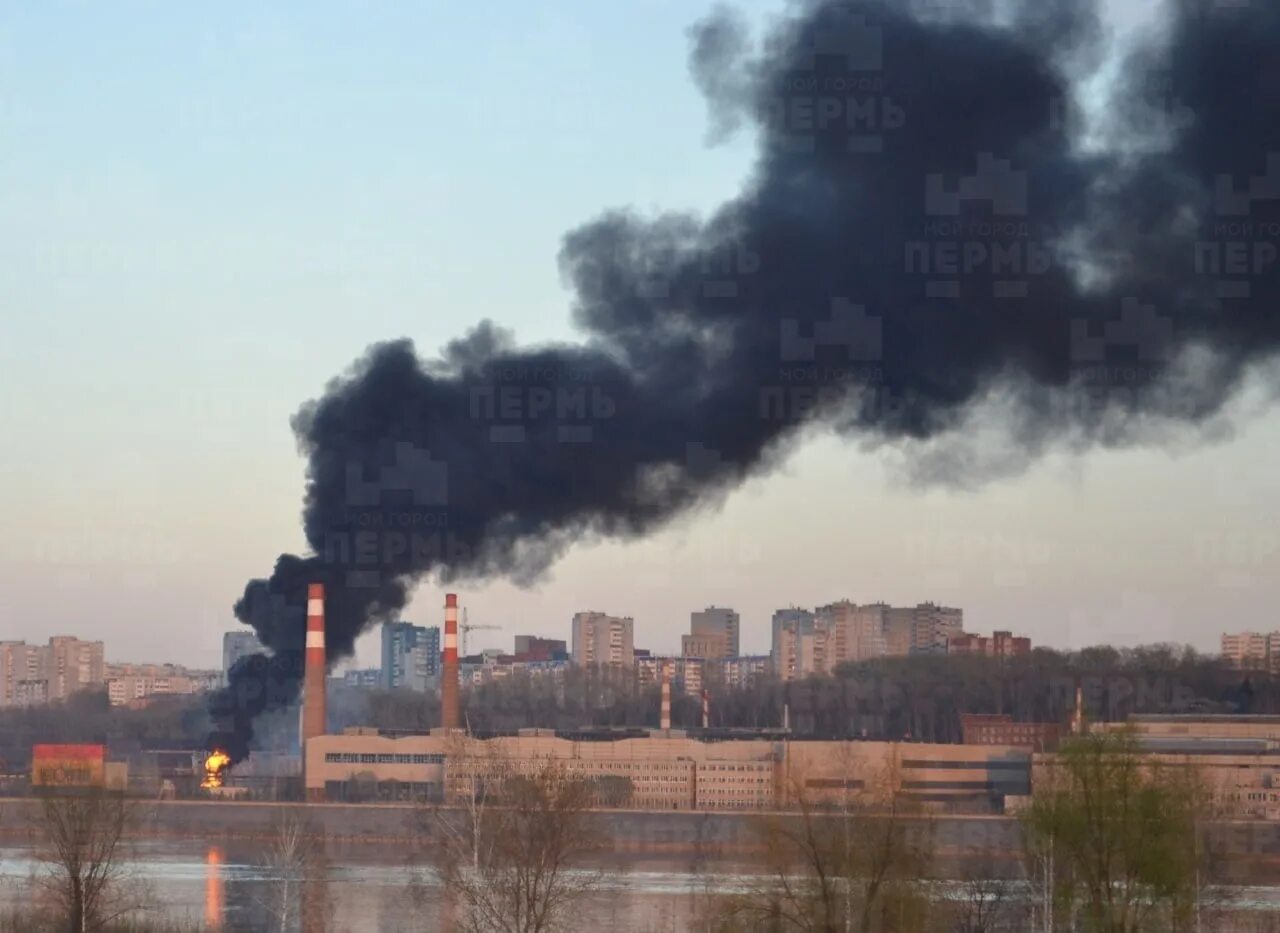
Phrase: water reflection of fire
(214, 766)
(214, 893)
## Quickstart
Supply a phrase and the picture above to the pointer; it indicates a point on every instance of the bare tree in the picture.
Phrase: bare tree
(82, 857)
(836, 865)
(510, 853)
(294, 861)
(988, 903)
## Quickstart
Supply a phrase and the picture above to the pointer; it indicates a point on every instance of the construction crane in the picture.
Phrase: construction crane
(464, 626)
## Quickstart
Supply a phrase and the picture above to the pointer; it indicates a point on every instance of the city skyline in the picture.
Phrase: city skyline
(1073, 549)
(691, 464)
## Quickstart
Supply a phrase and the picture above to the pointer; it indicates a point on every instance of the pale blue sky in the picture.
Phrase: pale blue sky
(206, 214)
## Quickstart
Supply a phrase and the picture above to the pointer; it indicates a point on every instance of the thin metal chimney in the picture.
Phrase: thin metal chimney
(449, 668)
(314, 721)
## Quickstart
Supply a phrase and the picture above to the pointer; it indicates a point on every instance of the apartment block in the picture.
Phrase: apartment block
(1252, 651)
(741, 671)
(853, 633)
(236, 645)
(410, 656)
(806, 643)
(489, 666)
(998, 645)
(688, 675)
(717, 628)
(703, 646)
(72, 665)
(32, 674)
(933, 627)
(792, 643)
(20, 665)
(601, 639)
(133, 684)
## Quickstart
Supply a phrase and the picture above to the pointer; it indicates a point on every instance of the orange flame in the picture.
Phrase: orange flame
(214, 766)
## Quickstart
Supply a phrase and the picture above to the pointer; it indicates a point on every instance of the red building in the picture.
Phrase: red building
(993, 729)
(999, 645)
(533, 648)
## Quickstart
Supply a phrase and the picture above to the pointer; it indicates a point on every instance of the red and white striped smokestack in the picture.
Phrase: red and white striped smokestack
(665, 721)
(449, 669)
(313, 699)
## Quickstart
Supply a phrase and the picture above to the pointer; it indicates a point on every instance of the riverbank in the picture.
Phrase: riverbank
(1245, 851)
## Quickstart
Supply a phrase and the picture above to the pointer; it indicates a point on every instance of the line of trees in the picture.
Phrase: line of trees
(920, 697)
(1113, 844)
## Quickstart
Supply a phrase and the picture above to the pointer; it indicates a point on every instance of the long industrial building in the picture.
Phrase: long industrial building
(1237, 758)
(670, 770)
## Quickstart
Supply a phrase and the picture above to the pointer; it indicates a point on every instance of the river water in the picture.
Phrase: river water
(366, 889)
(372, 889)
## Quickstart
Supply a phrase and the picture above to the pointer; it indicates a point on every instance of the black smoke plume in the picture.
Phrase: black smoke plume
(934, 228)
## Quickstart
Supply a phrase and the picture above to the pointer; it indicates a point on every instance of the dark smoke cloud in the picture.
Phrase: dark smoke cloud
(924, 236)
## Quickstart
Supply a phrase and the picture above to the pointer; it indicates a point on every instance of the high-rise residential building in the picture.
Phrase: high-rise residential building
(44, 673)
(600, 639)
(236, 645)
(853, 632)
(714, 629)
(899, 631)
(20, 664)
(817, 642)
(71, 665)
(932, 627)
(793, 642)
(410, 655)
(1252, 651)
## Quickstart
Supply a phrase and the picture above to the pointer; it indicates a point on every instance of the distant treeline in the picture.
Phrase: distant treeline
(88, 716)
(919, 696)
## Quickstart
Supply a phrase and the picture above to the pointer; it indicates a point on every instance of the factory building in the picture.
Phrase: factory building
(1237, 758)
(667, 770)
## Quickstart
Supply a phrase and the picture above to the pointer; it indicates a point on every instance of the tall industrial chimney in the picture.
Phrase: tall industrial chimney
(313, 701)
(706, 709)
(665, 722)
(449, 669)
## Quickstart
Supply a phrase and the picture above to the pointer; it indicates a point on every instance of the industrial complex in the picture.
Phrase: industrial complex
(661, 768)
